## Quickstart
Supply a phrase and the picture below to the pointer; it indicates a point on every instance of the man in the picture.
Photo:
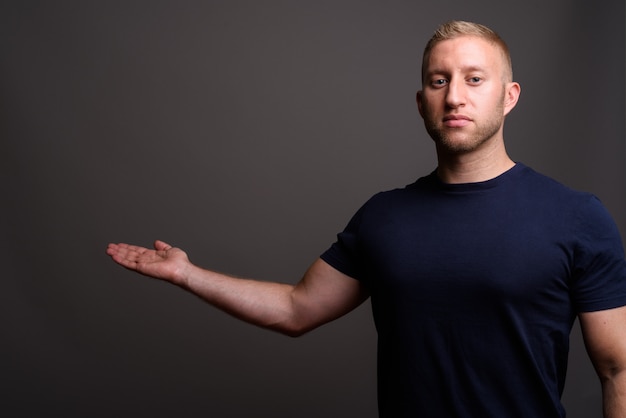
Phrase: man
(476, 271)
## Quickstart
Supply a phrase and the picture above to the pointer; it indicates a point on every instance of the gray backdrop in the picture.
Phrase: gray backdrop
(246, 132)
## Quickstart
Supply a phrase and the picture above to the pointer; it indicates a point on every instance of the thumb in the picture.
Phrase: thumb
(161, 246)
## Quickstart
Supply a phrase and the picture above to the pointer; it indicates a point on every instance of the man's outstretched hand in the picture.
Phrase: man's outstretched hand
(164, 262)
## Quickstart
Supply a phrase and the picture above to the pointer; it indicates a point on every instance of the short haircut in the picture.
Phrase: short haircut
(458, 28)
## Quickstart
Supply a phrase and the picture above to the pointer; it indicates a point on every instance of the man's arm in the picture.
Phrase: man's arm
(604, 333)
(323, 294)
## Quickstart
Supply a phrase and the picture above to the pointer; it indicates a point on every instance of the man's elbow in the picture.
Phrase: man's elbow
(611, 372)
(293, 329)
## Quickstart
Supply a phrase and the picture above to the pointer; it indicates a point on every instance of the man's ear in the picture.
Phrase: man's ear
(418, 99)
(513, 91)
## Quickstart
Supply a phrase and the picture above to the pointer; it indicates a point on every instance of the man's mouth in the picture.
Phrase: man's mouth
(456, 121)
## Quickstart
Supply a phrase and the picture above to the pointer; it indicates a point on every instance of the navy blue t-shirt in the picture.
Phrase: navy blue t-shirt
(475, 288)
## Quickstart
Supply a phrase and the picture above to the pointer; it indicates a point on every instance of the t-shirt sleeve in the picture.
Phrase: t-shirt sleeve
(599, 275)
(343, 254)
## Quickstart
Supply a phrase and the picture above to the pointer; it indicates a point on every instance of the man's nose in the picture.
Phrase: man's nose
(455, 95)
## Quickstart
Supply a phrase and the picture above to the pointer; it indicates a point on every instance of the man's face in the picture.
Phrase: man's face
(465, 96)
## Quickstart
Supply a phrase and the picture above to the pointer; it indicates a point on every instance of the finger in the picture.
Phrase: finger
(126, 262)
(111, 249)
(131, 250)
(122, 256)
(125, 251)
(116, 249)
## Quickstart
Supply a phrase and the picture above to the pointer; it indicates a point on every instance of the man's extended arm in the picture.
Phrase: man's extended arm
(604, 333)
(322, 295)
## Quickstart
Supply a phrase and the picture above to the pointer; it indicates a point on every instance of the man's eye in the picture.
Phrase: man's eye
(440, 82)
(475, 80)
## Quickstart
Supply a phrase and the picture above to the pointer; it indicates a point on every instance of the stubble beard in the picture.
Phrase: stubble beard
(455, 142)
(463, 140)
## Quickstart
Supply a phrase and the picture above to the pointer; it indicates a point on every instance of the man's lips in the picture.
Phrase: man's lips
(456, 121)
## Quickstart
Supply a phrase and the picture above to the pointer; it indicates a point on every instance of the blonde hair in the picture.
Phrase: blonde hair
(458, 28)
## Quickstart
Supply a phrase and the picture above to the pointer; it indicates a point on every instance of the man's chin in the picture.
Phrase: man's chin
(456, 144)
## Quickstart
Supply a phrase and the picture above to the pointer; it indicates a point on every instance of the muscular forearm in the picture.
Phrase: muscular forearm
(266, 304)
(614, 395)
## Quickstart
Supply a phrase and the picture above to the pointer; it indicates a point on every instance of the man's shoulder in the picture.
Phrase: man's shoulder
(549, 186)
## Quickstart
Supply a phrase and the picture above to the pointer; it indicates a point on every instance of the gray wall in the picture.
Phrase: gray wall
(247, 133)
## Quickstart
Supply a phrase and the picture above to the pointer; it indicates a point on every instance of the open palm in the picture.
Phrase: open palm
(163, 262)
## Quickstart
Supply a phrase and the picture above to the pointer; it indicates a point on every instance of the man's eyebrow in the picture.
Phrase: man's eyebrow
(474, 69)
(465, 69)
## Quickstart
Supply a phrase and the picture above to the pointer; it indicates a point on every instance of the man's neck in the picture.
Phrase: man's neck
(473, 167)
